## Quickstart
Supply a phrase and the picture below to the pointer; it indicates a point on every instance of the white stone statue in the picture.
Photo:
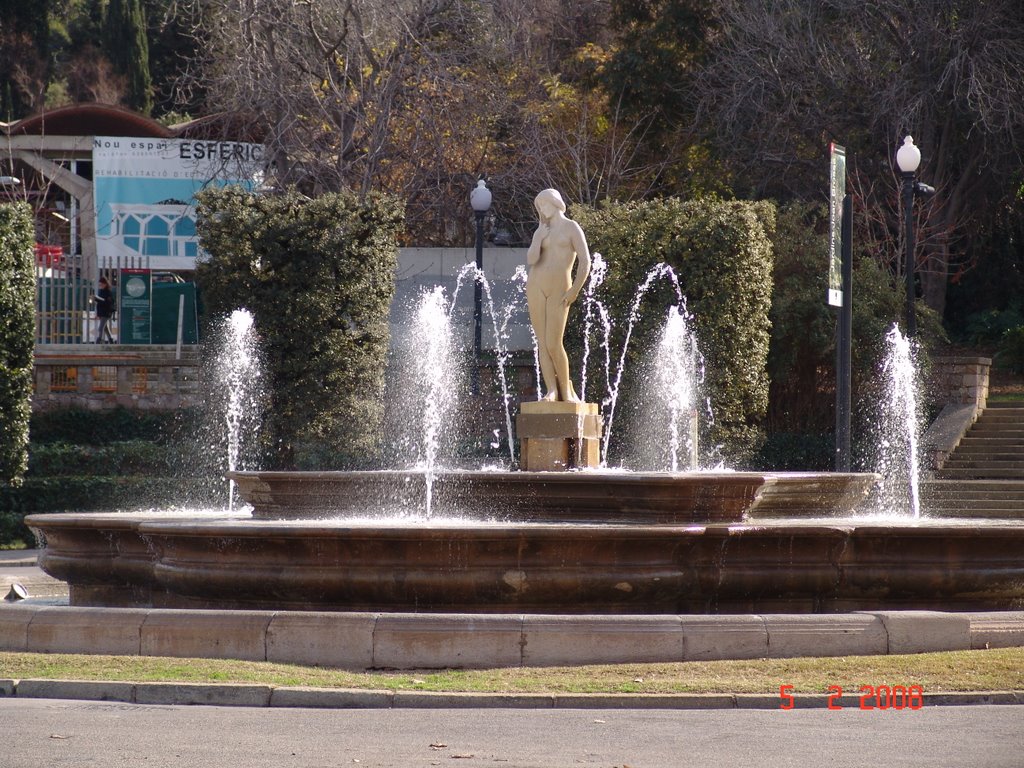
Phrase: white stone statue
(550, 288)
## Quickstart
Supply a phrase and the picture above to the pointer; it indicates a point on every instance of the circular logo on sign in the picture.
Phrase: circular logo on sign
(135, 287)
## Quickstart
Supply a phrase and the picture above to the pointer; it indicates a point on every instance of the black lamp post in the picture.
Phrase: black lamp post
(480, 199)
(908, 158)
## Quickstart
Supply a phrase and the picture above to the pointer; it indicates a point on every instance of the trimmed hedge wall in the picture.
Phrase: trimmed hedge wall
(721, 252)
(17, 336)
(81, 427)
(318, 276)
(122, 459)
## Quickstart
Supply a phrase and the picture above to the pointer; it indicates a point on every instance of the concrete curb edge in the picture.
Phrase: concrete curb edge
(257, 695)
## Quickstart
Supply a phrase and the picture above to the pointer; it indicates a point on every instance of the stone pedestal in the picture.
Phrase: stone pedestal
(556, 436)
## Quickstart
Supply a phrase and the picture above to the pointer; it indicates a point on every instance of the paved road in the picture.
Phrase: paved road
(72, 733)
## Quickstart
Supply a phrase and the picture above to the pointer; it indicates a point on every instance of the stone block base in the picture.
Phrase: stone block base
(556, 436)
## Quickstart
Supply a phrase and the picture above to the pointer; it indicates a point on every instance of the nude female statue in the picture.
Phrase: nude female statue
(550, 288)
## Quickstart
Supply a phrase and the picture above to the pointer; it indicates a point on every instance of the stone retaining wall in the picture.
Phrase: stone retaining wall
(105, 376)
(961, 380)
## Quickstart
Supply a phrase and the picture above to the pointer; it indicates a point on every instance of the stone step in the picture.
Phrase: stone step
(1016, 432)
(997, 425)
(989, 461)
(996, 486)
(983, 462)
(988, 454)
(987, 513)
(980, 474)
(988, 502)
(1006, 405)
(973, 441)
(987, 421)
(975, 491)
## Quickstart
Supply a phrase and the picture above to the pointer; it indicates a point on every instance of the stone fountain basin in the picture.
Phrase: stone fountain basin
(581, 497)
(770, 566)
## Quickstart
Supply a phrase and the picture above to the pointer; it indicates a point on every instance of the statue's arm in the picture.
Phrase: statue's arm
(533, 255)
(579, 243)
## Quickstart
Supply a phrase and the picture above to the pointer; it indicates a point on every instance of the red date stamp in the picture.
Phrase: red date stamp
(871, 697)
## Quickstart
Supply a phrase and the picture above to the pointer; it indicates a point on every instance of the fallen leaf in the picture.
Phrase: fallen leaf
(438, 745)
(58, 736)
(638, 679)
(461, 757)
(600, 721)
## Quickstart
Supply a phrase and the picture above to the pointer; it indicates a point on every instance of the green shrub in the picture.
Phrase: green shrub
(106, 494)
(83, 427)
(796, 452)
(318, 277)
(801, 360)
(722, 254)
(1010, 354)
(989, 326)
(135, 457)
(17, 336)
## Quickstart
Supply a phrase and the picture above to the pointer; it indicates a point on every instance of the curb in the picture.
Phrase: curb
(241, 695)
(467, 641)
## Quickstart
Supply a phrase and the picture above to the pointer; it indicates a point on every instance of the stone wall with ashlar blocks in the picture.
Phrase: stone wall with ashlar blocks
(106, 376)
(961, 380)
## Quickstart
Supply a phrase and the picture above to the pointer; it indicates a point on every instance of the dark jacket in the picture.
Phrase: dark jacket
(104, 303)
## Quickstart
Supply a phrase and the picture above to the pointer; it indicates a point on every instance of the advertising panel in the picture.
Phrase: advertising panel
(145, 195)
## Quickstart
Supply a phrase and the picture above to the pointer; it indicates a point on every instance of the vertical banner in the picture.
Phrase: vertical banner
(837, 191)
(136, 306)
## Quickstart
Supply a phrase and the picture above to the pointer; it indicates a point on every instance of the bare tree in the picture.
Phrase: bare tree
(420, 98)
(788, 76)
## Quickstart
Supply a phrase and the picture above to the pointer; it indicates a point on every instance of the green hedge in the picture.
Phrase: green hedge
(83, 427)
(722, 254)
(108, 493)
(136, 457)
(17, 336)
(318, 277)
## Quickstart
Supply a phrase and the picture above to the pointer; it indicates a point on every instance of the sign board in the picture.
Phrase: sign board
(145, 195)
(837, 191)
(135, 288)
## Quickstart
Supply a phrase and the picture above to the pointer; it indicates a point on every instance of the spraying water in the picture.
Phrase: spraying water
(598, 271)
(434, 396)
(239, 376)
(499, 330)
(659, 271)
(668, 402)
(899, 428)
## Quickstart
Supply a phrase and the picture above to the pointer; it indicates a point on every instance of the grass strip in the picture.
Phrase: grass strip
(998, 669)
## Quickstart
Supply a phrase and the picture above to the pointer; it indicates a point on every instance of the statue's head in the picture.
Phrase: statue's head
(550, 201)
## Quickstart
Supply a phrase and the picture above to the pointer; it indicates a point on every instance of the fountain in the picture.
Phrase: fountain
(238, 380)
(591, 541)
(898, 428)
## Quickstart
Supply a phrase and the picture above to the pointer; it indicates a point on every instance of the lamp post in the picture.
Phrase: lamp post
(908, 158)
(480, 199)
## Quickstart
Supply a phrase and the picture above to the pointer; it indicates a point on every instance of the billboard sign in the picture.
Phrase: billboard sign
(145, 195)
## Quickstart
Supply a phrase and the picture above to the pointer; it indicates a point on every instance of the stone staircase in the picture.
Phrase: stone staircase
(984, 475)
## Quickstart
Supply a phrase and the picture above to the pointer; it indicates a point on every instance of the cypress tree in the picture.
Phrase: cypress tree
(127, 46)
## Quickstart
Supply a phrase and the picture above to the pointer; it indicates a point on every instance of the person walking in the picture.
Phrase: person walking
(104, 299)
